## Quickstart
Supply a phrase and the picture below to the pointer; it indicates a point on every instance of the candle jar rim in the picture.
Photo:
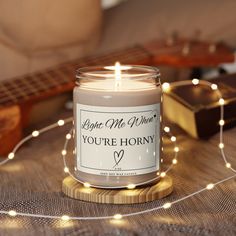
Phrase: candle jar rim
(136, 72)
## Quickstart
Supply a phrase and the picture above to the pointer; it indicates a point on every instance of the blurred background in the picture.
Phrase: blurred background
(39, 34)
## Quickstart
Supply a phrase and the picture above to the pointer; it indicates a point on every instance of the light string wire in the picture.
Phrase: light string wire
(166, 87)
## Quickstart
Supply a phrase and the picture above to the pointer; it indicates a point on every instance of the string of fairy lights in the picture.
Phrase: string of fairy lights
(166, 87)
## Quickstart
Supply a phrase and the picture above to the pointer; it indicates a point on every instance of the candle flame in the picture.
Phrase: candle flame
(117, 68)
(117, 71)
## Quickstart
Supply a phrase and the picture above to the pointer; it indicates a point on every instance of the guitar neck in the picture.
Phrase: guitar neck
(184, 53)
(40, 85)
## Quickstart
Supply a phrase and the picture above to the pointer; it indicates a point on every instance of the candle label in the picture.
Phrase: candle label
(118, 141)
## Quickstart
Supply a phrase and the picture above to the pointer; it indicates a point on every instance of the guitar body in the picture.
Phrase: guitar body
(10, 128)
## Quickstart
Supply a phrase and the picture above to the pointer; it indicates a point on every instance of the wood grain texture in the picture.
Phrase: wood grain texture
(76, 190)
(10, 128)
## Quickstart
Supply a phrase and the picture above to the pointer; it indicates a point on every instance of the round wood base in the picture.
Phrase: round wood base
(76, 190)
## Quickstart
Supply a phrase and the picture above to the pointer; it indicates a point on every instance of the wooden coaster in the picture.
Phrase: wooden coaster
(76, 190)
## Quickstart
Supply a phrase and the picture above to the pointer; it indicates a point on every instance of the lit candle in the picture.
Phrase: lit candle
(117, 113)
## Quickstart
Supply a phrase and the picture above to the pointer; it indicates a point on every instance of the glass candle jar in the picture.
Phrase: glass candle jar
(117, 117)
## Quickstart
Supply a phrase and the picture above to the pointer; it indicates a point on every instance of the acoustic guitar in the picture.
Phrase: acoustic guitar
(18, 95)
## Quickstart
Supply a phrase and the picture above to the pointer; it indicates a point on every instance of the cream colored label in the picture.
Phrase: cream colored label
(118, 141)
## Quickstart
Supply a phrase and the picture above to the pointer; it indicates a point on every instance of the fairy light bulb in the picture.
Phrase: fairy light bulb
(35, 133)
(131, 186)
(163, 174)
(195, 81)
(167, 205)
(117, 216)
(221, 122)
(63, 152)
(176, 149)
(214, 87)
(61, 122)
(65, 217)
(166, 87)
(173, 138)
(12, 213)
(68, 136)
(87, 185)
(221, 145)
(221, 101)
(167, 129)
(11, 155)
(66, 169)
(174, 161)
(228, 165)
(210, 186)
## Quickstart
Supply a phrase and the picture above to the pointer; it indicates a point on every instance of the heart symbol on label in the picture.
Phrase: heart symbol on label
(118, 156)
